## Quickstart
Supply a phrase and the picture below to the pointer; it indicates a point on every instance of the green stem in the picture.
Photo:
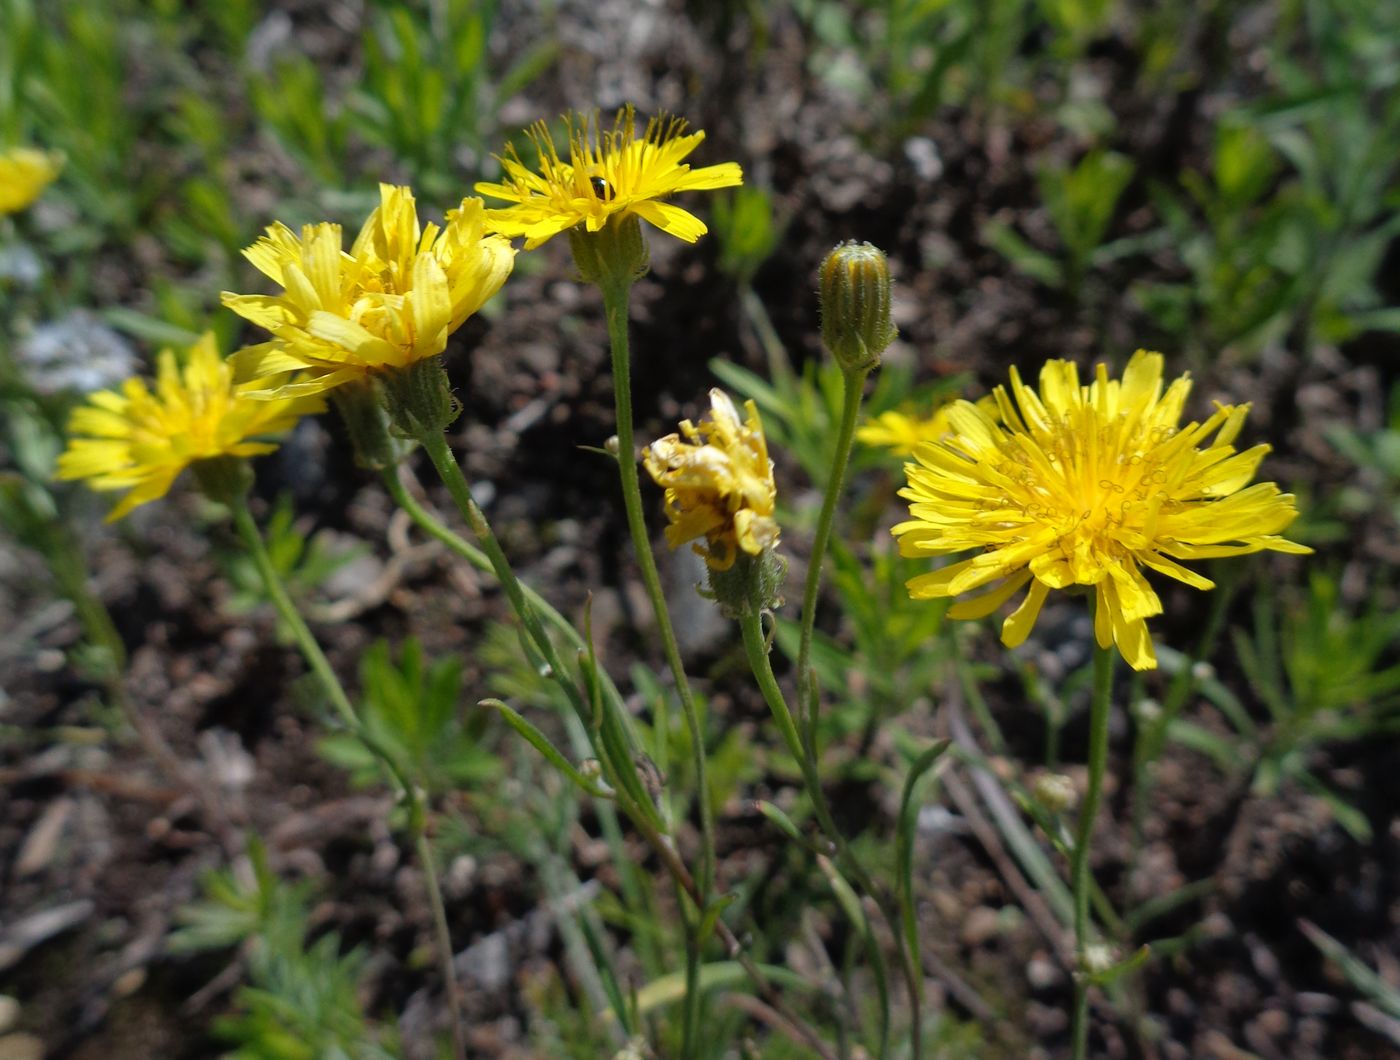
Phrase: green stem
(615, 306)
(854, 389)
(756, 647)
(431, 526)
(335, 692)
(616, 748)
(444, 941)
(435, 445)
(658, 843)
(1080, 878)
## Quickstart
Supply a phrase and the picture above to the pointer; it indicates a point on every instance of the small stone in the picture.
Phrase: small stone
(21, 1047)
(982, 924)
(129, 982)
(1043, 973)
(9, 1013)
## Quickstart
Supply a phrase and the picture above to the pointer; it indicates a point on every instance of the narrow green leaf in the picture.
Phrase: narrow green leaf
(904, 846)
(541, 743)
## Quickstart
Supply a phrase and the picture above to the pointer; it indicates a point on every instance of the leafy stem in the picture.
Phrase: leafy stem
(335, 692)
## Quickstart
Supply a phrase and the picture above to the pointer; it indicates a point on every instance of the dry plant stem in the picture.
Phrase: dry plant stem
(756, 647)
(854, 389)
(1079, 866)
(335, 692)
(615, 306)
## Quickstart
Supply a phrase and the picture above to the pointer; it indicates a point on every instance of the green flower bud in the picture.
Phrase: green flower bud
(855, 305)
(419, 399)
(752, 585)
(361, 406)
(615, 254)
(225, 479)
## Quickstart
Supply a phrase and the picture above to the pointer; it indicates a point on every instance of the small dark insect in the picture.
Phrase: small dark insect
(601, 188)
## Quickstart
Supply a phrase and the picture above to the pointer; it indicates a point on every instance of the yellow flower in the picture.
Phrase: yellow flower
(901, 432)
(140, 441)
(718, 482)
(1087, 485)
(610, 173)
(24, 174)
(389, 303)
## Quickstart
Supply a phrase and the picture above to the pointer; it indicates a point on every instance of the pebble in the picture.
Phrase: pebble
(1043, 973)
(982, 924)
(21, 1047)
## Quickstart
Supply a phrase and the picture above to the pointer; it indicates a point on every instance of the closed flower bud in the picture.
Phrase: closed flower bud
(419, 398)
(361, 407)
(855, 305)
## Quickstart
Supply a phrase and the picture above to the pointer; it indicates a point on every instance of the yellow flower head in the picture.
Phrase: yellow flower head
(1087, 485)
(718, 482)
(140, 441)
(388, 303)
(610, 173)
(24, 174)
(902, 432)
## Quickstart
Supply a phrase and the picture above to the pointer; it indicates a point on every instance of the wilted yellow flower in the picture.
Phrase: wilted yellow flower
(140, 441)
(718, 482)
(902, 431)
(388, 303)
(1087, 485)
(24, 174)
(610, 173)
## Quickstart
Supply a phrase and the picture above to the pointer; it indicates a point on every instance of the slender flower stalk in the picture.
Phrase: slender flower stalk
(615, 744)
(660, 845)
(611, 182)
(335, 693)
(1081, 879)
(616, 296)
(757, 649)
(614, 272)
(853, 389)
(856, 329)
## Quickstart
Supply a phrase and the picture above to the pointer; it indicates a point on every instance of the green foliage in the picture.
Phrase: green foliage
(744, 225)
(291, 101)
(1324, 675)
(1081, 200)
(301, 1000)
(1377, 455)
(428, 89)
(410, 708)
(1374, 987)
(800, 413)
(64, 68)
(303, 561)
